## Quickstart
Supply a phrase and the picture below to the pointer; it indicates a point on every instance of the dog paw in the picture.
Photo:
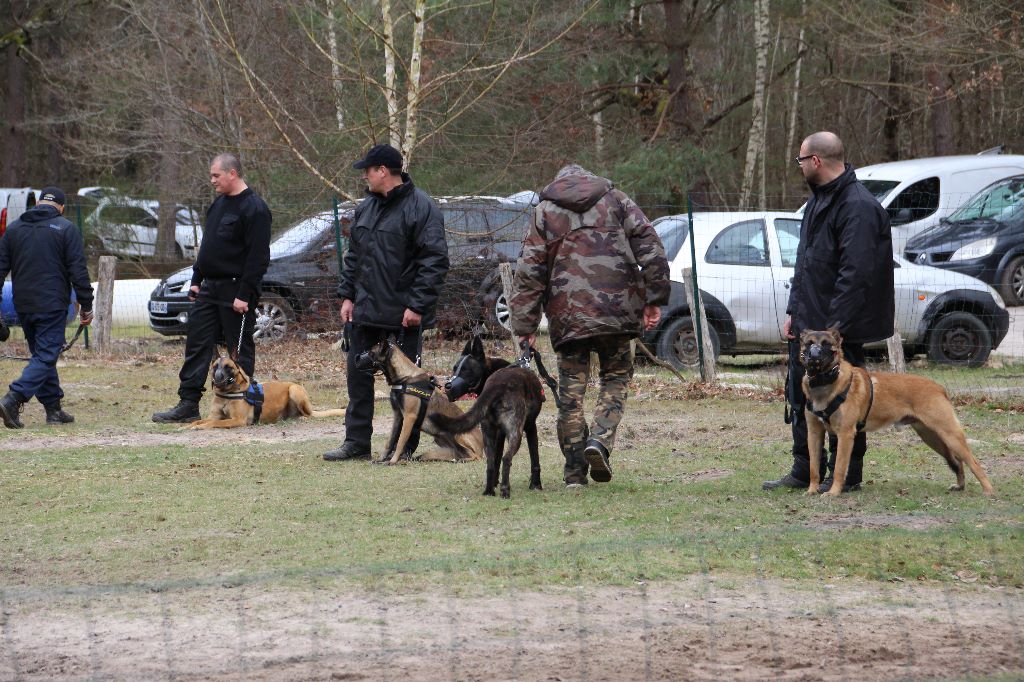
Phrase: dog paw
(956, 488)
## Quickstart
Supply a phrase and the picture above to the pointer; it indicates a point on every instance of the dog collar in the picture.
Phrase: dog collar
(229, 396)
(824, 379)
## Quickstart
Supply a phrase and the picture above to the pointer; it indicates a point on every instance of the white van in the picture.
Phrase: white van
(918, 193)
(14, 202)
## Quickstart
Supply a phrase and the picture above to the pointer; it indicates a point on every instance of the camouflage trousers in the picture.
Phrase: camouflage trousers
(615, 363)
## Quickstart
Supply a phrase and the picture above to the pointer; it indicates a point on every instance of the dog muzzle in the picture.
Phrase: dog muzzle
(817, 357)
(455, 388)
(366, 363)
(223, 377)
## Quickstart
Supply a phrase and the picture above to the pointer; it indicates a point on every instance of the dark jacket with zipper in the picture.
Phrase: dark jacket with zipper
(43, 252)
(397, 258)
(844, 264)
(235, 251)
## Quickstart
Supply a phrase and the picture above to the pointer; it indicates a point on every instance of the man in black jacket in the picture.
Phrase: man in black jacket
(43, 252)
(843, 280)
(391, 275)
(226, 283)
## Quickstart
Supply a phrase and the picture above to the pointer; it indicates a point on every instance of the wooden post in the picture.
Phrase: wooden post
(707, 370)
(896, 359)
(507, 276)
(103, 303)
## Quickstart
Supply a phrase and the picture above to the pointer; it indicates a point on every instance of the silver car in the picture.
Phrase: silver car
(745, 265)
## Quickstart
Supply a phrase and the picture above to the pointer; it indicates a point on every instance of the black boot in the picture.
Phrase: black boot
(348, 450)
(576, 467)
(597, 457)
(184, 412)
(55, 415)
(10, 410)
(787, 481)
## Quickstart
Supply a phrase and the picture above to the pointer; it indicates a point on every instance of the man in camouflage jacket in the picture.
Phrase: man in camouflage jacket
(595, 265)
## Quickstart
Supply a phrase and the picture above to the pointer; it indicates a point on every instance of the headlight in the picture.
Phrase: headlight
(977, 249)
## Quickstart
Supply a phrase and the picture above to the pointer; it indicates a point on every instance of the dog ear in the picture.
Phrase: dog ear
(837, 338)
(478, 347)
(803, 336)
(468, 348)
(222, 350)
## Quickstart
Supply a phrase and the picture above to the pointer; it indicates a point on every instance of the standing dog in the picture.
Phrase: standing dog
(415, 400)
(509, 400)
(235, 405)
(845, 399)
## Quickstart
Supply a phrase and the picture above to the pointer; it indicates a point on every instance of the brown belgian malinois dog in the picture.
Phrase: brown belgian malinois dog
(414, 399)
(844, 399)
(234, 404)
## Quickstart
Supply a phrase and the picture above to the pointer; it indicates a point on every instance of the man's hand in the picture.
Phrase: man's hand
(411, 318)
(193, 292)
(347, 306)
(787, 327)
(241, 307)
(529, 339)
(652, 316)
(86, 317)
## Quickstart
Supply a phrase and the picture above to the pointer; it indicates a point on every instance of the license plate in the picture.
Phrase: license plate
(158, 306)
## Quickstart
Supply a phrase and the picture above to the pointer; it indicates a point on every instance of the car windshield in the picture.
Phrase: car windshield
(673, 232)
(1001, 202)
(880, 188)
(298, 237)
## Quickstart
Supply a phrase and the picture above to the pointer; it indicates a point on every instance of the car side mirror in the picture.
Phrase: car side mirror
(904, 215)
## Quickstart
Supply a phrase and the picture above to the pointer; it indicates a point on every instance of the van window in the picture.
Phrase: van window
(673, 233)
(788, 231)
(740, 244)
(127, 215)
(920, 201)
(880, 188)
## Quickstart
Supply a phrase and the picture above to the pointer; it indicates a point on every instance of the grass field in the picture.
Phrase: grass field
(215, 555)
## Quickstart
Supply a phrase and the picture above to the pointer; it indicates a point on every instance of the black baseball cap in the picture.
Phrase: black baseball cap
(54, 194)
(380, 155)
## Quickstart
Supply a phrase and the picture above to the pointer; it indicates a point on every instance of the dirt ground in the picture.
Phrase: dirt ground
(704, 628)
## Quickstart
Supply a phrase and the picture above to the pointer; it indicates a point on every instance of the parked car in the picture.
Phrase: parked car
(13, 202)
(745, 264)
(984, 239)
(918, 193)
(128, 227)
(301, 283)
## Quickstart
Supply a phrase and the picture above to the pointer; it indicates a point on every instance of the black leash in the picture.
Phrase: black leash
(63, 349)
(529, 352)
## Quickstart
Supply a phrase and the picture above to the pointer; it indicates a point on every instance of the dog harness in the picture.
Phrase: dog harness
(830, 409)
(252, 395)
(419, 389)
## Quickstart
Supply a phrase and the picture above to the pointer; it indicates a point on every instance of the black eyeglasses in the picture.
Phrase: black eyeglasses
(801, 159)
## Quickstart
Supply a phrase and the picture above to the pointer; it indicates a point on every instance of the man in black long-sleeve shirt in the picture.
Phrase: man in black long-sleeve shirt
(43, 252)
(226, 283)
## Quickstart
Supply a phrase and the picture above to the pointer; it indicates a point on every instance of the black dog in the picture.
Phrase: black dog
(510, 398)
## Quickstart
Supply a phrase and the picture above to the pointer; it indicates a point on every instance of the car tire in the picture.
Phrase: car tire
(959, 339)
(497, 316)
(1011, 283)
(677, 343)
(274, 317)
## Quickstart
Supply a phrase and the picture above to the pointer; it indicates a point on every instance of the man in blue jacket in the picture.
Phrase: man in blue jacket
(390, 279)
(43, 252)
(843, 280)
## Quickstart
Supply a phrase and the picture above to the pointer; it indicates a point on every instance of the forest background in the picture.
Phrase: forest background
(669, 97)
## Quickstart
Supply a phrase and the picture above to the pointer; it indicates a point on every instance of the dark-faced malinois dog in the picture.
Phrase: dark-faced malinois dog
(844, 399)
(234, 404)
(414, 400)
(509, 400)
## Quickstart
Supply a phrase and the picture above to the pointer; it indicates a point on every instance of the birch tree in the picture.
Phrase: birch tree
(756, 137)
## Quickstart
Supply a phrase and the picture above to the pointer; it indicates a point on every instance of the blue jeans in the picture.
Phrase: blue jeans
(45, 335)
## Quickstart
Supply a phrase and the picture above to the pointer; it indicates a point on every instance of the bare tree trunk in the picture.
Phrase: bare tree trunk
(413, 96)
(755, 140)
(332, 49)
(679, 84)
(938, 105)
(12, 138)
(893, 108)
(169, 184)
(791, 133)
(390, 94)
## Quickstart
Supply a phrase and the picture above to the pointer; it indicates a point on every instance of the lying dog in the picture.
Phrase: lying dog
(415, 400)
(845, 399)
(237, 403)
(509, 401)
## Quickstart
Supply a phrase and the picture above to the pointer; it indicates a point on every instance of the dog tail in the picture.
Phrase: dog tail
(466, 422)
(328, 413)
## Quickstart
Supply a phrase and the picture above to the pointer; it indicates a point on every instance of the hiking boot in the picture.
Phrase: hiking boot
(184, 412)
(787, 481)
(55, 415)
(348, 450)
(596, 455)
(10, 410)
(826, 485)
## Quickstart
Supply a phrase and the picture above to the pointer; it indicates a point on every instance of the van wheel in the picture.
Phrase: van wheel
(1011, 284)
(677, 344)
(960, 339)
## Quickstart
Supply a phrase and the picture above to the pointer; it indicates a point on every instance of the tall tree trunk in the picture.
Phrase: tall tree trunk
(12, 137)
(893, 108)
(413, 96)
(938, 106)
(679, 79)
(390, 93)
(791, 132)
(755, 140)
(332, 50)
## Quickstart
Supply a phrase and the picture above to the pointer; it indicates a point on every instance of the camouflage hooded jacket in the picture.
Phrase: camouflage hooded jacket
(591, 259)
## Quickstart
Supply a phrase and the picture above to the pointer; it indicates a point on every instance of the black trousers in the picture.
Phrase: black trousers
(854, 354)
(211, 323)
(359, 413)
